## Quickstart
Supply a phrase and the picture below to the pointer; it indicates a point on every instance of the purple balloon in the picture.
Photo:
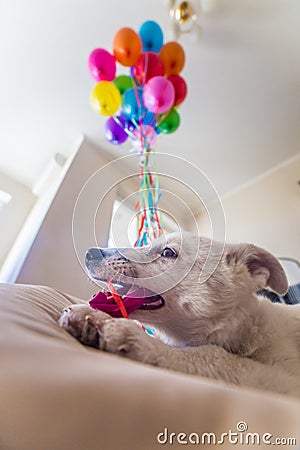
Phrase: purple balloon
(114, 130)
(102, 65)
(128, 124)
(158, 95)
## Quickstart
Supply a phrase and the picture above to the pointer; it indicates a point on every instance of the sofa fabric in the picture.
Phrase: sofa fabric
(56, 394)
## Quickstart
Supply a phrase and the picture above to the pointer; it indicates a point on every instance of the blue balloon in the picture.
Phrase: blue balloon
(149, 119)
(131, 107)
(152, 36)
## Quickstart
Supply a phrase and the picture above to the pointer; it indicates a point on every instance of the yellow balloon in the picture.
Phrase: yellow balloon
(105, 98)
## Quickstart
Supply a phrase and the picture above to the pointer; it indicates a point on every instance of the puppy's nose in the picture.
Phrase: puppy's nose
(93, 253)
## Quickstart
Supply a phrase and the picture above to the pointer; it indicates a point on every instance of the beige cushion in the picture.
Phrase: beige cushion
(56, 394)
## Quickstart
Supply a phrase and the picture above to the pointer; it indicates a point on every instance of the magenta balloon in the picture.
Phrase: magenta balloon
(102, 65)
(158, 95)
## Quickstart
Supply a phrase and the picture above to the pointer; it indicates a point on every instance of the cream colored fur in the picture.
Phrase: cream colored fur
(217, 329)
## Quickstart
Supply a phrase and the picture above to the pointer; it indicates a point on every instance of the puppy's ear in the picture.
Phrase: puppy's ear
(264, 269)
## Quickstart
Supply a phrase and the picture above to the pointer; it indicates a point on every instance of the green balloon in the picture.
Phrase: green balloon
(170, 123)
(123, 82)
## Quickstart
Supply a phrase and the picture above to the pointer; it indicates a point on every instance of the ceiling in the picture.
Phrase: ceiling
(241, 116)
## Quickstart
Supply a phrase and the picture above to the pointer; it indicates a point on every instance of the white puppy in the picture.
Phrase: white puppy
(217, 329)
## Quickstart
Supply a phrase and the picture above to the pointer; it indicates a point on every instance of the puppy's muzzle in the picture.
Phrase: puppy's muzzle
(94, 253)
(98, 254)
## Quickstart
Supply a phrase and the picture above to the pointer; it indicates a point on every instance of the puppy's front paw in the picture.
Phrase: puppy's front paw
(84, 323)
(124, 337)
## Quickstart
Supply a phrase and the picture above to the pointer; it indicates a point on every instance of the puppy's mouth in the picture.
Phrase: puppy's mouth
(133, 296)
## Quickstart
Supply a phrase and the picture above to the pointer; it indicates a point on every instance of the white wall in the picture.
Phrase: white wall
(14, 213)
(266, 212)
(52, 260)
(78, 219)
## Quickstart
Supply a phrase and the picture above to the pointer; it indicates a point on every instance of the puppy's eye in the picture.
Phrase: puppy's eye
(169, 252)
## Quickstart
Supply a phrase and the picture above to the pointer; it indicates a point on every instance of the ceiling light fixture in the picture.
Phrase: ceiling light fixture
(185, 17)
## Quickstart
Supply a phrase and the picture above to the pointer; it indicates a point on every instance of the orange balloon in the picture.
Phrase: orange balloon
(173, 58)
(127, 46)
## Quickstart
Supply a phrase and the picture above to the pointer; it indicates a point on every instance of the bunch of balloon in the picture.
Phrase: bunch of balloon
(141, 104)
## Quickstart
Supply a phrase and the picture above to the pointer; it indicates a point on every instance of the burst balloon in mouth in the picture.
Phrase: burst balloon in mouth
(113, 304)
(120, 306)
(106, 302)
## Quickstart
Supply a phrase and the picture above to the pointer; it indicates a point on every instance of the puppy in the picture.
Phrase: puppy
(201, 296)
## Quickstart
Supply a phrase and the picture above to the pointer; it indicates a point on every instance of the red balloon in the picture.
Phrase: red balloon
(148, 66)
(180, 88)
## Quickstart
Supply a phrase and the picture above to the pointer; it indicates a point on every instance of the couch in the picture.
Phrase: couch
(56, 394)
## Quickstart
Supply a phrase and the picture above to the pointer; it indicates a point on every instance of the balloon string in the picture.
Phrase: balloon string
(149, 225)
(149, 221)
(136, 92)
(146, 68)
(162, 117)
(117, 299)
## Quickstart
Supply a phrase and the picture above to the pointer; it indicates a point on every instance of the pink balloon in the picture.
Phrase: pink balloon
(158, 95)
(102, 65)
